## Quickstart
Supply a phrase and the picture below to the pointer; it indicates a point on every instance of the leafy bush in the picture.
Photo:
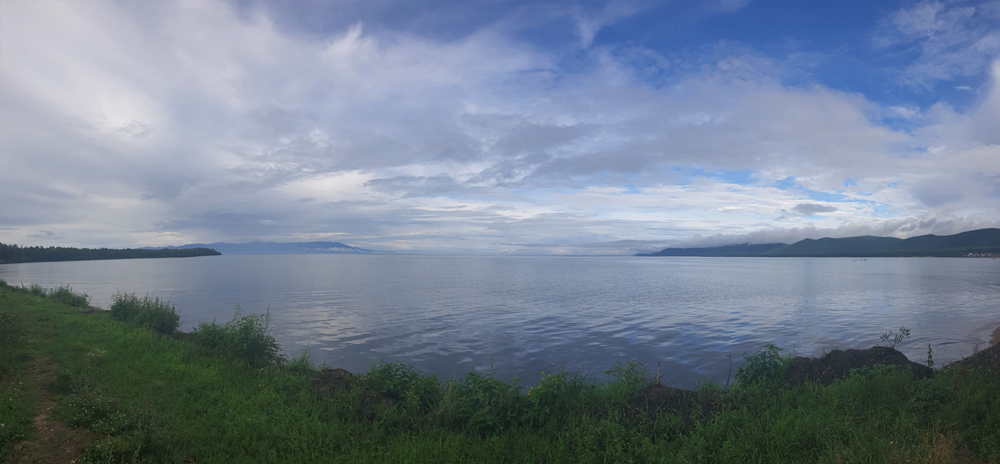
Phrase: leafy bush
(764, 367)
(66, 295)
(154, 313)
(36, 290)
(246, 338)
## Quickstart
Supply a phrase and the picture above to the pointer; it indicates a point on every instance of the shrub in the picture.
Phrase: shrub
(154, 313)
(246, 338)
(765, 367)
(36, 290)
(66, 295)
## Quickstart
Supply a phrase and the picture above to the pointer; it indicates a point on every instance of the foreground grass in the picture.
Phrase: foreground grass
(142, 396)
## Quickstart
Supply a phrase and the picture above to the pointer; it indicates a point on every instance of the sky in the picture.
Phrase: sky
(496, 127)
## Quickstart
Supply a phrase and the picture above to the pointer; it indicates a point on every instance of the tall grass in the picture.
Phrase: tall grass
(154, 313)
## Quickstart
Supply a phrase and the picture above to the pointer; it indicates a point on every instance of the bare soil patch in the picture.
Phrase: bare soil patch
(53, 441)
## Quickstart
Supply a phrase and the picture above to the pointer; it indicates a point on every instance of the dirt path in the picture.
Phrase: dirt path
(996, 337)
(53, 441)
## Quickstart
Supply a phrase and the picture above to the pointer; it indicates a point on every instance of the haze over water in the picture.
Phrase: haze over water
(449, 314)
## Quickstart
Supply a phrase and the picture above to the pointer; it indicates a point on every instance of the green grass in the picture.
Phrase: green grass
(155, 398)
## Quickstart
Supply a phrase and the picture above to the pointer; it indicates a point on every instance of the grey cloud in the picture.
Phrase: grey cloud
(43, 234)
(418, 186)
(935, 198)
(811, 209)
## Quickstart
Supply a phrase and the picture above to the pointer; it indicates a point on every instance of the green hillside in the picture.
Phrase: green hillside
(974, 241)
(722, 251)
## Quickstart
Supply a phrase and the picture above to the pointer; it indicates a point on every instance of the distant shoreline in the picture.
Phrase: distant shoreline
(13, 254)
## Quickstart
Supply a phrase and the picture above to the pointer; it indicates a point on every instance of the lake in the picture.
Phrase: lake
(450, 314)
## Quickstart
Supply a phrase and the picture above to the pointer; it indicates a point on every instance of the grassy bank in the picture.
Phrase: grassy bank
(121, 386)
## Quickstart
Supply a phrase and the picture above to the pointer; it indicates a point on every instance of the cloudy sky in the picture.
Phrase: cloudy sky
(498, 126)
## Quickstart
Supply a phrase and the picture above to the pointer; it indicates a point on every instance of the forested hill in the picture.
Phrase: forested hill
(722, 251)
(975, 241)
(36, 254)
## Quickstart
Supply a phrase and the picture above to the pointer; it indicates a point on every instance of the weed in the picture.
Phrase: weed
(301, 364)
(930, 356)
(158, 315)
(893, 339)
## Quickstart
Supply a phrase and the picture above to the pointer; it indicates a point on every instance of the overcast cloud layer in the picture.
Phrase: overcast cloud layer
(503, 127)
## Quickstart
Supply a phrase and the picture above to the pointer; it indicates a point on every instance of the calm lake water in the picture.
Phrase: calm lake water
(449, 314)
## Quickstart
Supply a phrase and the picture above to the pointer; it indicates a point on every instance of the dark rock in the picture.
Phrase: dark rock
(988, 358)
(837, 364)
(331, 381)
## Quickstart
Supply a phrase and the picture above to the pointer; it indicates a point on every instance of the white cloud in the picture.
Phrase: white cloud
(197, 123)
(954, 39)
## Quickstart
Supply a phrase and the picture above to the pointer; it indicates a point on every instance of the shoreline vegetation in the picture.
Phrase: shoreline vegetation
(123, 385)
(11, 254)
(974, 243)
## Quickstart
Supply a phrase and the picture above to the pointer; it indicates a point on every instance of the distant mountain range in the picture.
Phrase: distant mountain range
(974, 241)
(263, 248)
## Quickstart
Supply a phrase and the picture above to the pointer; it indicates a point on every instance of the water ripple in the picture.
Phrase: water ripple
(448, 314)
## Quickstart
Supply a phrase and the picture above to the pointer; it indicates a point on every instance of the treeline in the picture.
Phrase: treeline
(37, 254)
